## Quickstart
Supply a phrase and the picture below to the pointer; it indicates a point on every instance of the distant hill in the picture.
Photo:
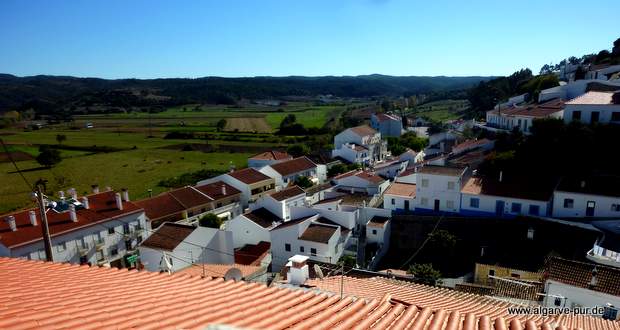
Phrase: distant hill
(50, 93)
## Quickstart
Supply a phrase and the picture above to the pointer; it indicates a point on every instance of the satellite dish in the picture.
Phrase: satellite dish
(318, 271)
(233, 274)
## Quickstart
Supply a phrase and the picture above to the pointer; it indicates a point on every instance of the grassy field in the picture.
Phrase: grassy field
(441, 110)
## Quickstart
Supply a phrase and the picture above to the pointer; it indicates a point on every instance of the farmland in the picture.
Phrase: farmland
(441, 110)
(133, 150)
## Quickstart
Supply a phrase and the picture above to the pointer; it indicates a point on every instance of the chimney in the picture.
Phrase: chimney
(33, 217)
(61, 194)
(224, 189)
(298, 270)
(119, 202)
(72, 213)
(95, 188)
(85, 202)
(11, 221)
(501, 175)
(125, 194)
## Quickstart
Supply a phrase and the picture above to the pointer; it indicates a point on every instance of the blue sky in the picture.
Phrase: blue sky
(151, 38)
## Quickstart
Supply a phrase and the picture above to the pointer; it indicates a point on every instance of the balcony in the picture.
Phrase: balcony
(99, 244)
(84, 249)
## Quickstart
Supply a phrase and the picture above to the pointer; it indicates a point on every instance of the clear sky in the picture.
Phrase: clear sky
(152, 38)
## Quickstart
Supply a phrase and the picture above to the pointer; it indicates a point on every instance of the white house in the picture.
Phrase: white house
(602, 72)
(252, 227)
(98, 229)
(279, 203)
(267, 158)
(174, 246)
(387, 124)
(361, 181)
(606, 249)
(285, 173)
(587, 196)
(378, 230)
(472, 144)
(360, 144)
(594, 107)
(390, 168)
(250, 182)
(412, 157)
(400, 197)
(438, 188)
(574, 89)
(522, 117)
(487, 197)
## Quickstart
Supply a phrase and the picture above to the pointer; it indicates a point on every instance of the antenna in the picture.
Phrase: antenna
(318, 271)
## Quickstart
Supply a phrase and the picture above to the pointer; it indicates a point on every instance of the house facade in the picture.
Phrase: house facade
(594, 107)
(522, 117)
(400, 197)
(587, 196)
(250, 182)
(438, 188)
(358, 181)
(387, 124)
(361, 145)
(285, 173)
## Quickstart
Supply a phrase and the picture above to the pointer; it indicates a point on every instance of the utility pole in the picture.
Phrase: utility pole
(47, 240)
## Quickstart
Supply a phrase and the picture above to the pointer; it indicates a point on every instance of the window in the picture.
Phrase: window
(515, 275)
(114, 251)
(424, 201)
(393, 201)
(374, 232)
(491, 272)
(313, 251)
(450, 185)
(100, 255)
(594, 116)
(516, 208)
(61, 246)
(568, 203)
(474, 202)
(534, 209)
(301, 249)
(450, 204)
(125, 228)
(287, 247)
(557, 301)
(219, 204)
(615, 207)
(576, 115)
(615, 116)
(424, 182)
(111, 231)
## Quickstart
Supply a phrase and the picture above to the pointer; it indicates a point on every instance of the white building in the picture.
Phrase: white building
(521, 117)
(390, 168)
(357, 181)
(493, 198)
(252, 184)
(174, 246)
(400, 197)
(268, 158)
(98, 229)
(252, 227)
(592, 196)
(573, 89)
(378, 230)
(606, 249)
(594, 107)
(361, 144)
(285, 173)
(438, 188)
(387, 124)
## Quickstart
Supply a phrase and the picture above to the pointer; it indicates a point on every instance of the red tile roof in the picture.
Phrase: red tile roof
(262, 217)
(441, 170)
(363, 130)
(319, 233)
(368, 176)
(190, 197)
(168, 236)
(252, 254)
(272, 155)
(161, 206)
(64, 296)
(287, 193)
(249, 176)
(401, 189)
(469, 307)
(579, 274)
(102, 209)
(293, 166)
(215, 191)
(522, 188)
(219, 270)
(537, 110)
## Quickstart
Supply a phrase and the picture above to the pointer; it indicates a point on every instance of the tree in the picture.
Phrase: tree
(616, 50)
(288, 121)
(211, 220)
(48, 157)
(425, 274)
(348, 261)
(221, 124)
(60, 138)
(303, 182)
(298, 150)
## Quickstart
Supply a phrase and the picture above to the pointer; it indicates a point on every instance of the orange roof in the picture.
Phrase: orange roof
(249, 175)
(485, 309)
(363, 130)
(287, 193)
(293, 166)
(592, 97)
(542, 110)
(219, 270)
(401, 189)
(272, 155)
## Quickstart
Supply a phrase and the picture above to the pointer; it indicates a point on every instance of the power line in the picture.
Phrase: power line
(430, 235)
(6, 149)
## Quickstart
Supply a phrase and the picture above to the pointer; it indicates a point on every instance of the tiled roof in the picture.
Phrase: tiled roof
(252, 254)
(293, 166)
(363, 130)
(64, 296)
(384, 117)
(249, 175)
(368, 176)
(215, 191)
(262, 217)
(190, 197)
(401, 189)
(579, 274)
(377, 221)
(219, 270)
(441, 170)
(168, 236)
(271, 155)
(522, 188)
(102, 208)
(287, 193)
(465, 309)
(605, 185)
(160, 206)
(536, 111)
(319, 233)
(600, 98)
(471, 143)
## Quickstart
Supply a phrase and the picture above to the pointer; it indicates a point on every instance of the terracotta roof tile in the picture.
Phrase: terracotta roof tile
(579, 274)
(363, 130)
(516, 188)
(293, 166)
(102, 208)
(215, 190)
(319, 233)
(536, 110)
(190, 197)
(401, 189)
(168, 236)
(272, 155)
(249, 175)
(441, 170)
(219, 270)
(161, 206)
(262, 217)
(287, 193)
(252, 254)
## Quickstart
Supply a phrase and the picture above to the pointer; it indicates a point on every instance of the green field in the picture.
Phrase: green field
(443, 110)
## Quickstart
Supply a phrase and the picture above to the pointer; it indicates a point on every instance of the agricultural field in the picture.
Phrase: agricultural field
(442, 110)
